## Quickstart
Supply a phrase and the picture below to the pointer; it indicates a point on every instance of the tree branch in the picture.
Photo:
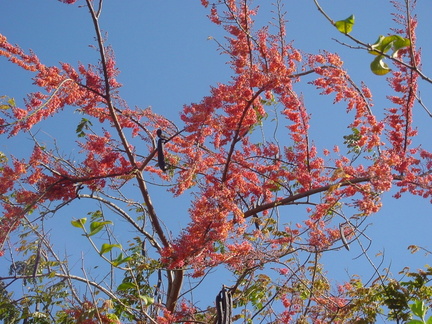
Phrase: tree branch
(308, 193)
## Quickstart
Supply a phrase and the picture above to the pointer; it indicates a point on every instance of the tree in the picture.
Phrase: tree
(242, 155)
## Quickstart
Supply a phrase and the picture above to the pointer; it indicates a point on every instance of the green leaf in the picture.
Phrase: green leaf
(345, 26)
(96, 215)
(418, 308)
(52, 274)
(379, 67)
(96, 227)
(398, 43)
(304, 295)
(11, 102)
(429, 320)
(385, 43)
(106, 247)
(83, 125)
(415, 322)
(113, 318)
(147, 300)
(79, 222)
(382, 45)
(6, 103)
(126, 286)
(3, 158)
(119, 260)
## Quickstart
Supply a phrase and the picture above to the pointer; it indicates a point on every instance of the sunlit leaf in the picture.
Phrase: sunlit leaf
(304, 295)
(418, 308)
(415, 322)
(120, 259)
(147, 300)
(96, 227)
(106, 247)
(379, 67)
(51, 274)
(79, 222)
(399, 43)
(345, 26)
(384, 43)
(3, 157)
(6, 103)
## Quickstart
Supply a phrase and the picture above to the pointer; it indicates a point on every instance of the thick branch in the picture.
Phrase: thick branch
(143, 188)
(175, 281)
(308, 193)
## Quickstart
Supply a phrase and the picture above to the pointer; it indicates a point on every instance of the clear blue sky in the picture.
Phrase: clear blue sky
(167, 61)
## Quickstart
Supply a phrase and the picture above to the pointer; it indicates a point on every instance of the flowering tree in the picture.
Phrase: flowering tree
(237, 177)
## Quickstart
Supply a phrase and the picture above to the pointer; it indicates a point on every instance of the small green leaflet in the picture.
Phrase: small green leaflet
(345, 26)
(83, 125)
(6, 103)
(147, 300)
(126, 286)
(419, 309)
(129, 285)
(120, 259)
(96, 227)
(3, 157)
(385, 43)
(79, 222)
(379, 67)
(106, 247)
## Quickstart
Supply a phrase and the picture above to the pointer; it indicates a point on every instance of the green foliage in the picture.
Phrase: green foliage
(96, 227)
(352, 140)
(386, 43)
(378, 66)
(345, 26)
(120, 260)
(6, 102)
(256, 293)
(3, 158)
(382, 46)
(396, 300)
(84, 124)
(126, 286)
(419, 309)
(9, 312)
(44, 295)
(106, 247)
(79, 222)
(379, 48)
(134, 291)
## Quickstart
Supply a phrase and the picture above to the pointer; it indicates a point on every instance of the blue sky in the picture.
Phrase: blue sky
(166, 61)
